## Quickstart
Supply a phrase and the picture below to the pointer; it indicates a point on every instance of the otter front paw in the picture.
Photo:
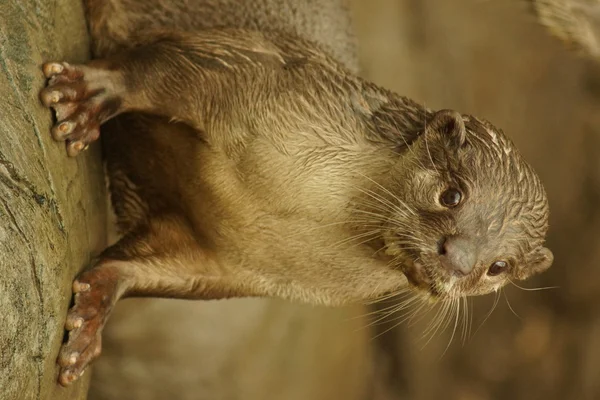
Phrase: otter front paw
(83, 97)
(95, 295)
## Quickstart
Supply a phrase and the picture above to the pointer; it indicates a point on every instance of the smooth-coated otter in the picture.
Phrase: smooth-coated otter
(248, 160)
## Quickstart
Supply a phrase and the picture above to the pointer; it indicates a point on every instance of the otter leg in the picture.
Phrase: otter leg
(160, 259)
(191, 78)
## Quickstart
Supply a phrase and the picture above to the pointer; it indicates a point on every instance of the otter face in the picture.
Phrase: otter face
(478, 213)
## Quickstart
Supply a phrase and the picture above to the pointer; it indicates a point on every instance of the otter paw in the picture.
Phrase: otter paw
(95, 295)
(82, 98)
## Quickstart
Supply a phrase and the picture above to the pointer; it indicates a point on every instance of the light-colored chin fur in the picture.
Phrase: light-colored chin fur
(431, 280)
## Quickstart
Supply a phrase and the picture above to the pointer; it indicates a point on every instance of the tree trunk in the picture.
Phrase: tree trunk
(52, 208)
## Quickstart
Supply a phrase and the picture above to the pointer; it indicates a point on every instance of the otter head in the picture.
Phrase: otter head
(470, 214)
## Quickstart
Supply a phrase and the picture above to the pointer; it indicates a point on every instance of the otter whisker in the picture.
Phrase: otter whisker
(470, 302)
(453, 329)
(382, 315)
(394, 261)
(383, 204)
(376, 216)
(533, 289)
(410, 298)
(411, 319)
(380, 311)
(448, 314)
(448, 318)
(466, 320)
(332, 224)
(415, 312)
(497, 297)
(382, 217)
(407, 247)
(391, 194)
(376, 313)
(399, 292)
(405, 305)
(390, 296)
(434, 324)
(509, 305)
(382, 200)
(406, 208)
(388, 192)
(378, 250)
(460, 310)
(380, 206)
(386, 212)
(409, 238)
(385, 318)
(369, 235)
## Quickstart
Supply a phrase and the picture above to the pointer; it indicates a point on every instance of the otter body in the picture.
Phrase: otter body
(246, 158)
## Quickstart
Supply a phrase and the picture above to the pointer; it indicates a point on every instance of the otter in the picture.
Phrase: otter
(246, 157)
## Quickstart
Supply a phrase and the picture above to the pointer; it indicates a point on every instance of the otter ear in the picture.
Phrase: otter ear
(450, 125)
(541, 261)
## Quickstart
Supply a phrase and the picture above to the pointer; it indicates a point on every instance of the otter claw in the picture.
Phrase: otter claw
(52, 97)
(74, 148)
(72, 324)
(73, 359)
(80, 286)
(65, 127)
(52, 68)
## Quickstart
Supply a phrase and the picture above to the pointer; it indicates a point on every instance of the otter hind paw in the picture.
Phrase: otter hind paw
(95, 295)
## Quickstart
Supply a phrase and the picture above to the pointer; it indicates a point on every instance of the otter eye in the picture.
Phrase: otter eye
(497, 268)
(450, 198)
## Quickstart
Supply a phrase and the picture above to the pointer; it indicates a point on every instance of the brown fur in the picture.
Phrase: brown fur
(250, 160)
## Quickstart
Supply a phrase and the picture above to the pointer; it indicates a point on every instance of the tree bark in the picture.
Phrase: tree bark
(52, 208)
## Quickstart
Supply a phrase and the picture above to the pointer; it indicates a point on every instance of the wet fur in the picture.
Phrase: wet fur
(248, 159)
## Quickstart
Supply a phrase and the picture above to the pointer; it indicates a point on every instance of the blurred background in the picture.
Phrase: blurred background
(482, 57)
(492, 59)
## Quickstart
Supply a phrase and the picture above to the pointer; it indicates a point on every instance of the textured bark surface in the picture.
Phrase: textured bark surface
(493, 59)
(52, 209)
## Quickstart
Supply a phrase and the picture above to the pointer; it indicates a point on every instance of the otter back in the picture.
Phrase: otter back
(115, 24)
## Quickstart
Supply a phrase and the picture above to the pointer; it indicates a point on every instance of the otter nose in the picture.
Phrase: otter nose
(458, 255)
